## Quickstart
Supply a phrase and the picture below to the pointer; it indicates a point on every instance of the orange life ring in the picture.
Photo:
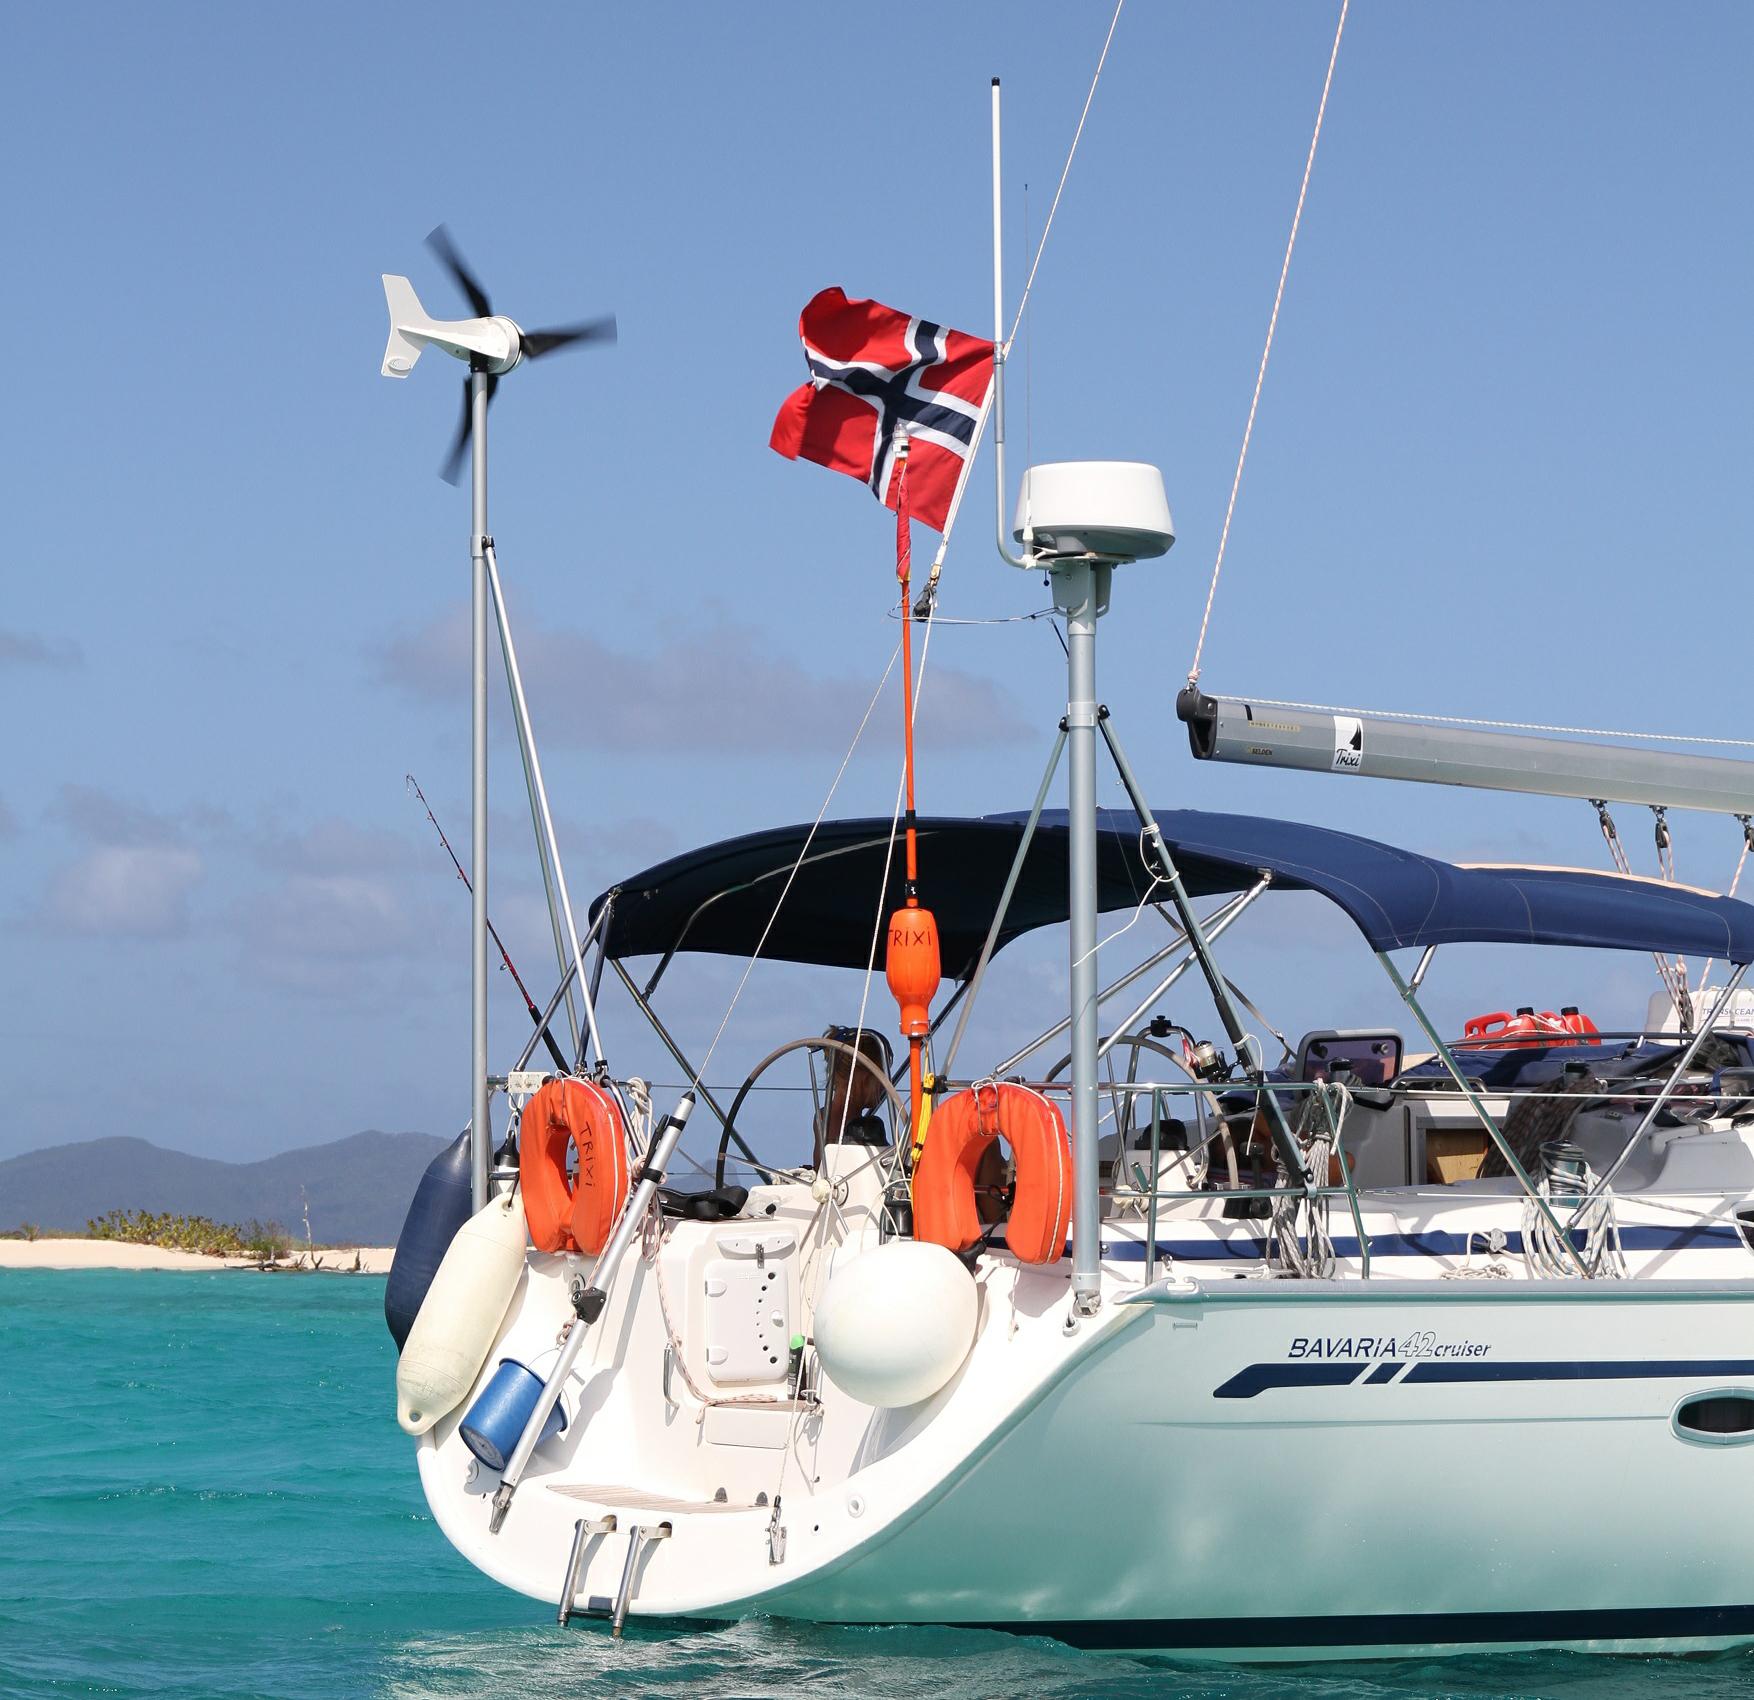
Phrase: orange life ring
(962, 1129)
(563, 1215)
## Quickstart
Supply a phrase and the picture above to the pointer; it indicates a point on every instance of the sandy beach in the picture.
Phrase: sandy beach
(117, 1254)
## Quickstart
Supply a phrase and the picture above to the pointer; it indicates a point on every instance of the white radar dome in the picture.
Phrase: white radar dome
(1113, 509)
(895, 1323)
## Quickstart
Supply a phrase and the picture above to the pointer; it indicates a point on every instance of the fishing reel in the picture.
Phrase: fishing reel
(1207, 1063)
(1202, 1059)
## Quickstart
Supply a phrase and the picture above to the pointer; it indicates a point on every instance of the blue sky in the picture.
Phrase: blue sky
(1501, 468)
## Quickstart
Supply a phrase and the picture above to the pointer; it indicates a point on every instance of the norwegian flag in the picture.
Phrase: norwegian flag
(872, 370)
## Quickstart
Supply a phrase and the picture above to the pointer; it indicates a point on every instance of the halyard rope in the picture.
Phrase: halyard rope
(809, 838)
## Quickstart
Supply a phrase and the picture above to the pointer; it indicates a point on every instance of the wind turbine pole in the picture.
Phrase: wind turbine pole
(480, 1127)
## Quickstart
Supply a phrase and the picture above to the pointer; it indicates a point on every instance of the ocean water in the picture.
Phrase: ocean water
(204, 1493)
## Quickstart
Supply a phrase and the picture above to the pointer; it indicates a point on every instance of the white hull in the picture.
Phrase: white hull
(1212, 1467)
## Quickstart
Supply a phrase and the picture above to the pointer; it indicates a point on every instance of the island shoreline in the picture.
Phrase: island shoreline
(50, 1252)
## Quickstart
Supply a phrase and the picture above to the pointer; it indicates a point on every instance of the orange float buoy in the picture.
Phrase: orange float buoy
(564, 1214)
(912, 967)
(964, 1126)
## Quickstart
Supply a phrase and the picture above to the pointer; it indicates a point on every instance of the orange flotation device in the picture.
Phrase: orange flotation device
(567, 1215)
(964, 1125)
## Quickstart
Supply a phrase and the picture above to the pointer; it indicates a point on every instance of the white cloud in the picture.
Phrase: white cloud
(101, 817)
(138, 890)
(718, 689)
(333, 916)
(333, 846)
(133, 877)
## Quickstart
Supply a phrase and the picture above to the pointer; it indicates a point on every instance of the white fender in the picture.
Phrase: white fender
(461, 1314)
(894, 1324)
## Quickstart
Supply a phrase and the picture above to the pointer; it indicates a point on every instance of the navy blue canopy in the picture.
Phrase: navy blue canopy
(721, 898)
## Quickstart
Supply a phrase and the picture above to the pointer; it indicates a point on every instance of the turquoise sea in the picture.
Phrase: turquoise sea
(205, 1494)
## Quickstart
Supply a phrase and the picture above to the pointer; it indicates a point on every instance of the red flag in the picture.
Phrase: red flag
(874, 370)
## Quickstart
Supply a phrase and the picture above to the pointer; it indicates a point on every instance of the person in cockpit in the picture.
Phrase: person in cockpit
(855, 1092)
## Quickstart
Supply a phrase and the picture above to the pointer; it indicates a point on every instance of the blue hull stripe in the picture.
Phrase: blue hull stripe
(1653, 1369)
(1413, 1629)
(1263, 1378)
(1251, 1248)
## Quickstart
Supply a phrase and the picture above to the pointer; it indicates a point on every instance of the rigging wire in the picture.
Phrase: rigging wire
(1267, 348)
(816, 1264)
(1065, 171)
(928, 597)
(1747, 824)
(803, 852)
(991, 620)
(1673, 984)
(1666, 867)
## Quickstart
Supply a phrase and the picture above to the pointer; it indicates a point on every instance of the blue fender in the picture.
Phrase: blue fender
(441, 1206)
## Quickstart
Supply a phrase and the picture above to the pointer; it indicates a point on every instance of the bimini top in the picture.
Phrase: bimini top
(721, 898)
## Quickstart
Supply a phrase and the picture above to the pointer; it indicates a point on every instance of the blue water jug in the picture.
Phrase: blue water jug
(497, 1418)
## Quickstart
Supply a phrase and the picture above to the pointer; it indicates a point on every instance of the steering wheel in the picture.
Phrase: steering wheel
(828, 1047)
(1210, 1113)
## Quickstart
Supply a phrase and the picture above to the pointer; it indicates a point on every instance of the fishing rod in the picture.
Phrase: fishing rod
(493, 932)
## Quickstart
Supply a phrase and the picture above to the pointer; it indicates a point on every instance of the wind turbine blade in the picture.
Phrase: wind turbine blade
(538, 343)
(451, 468)
(439, 241)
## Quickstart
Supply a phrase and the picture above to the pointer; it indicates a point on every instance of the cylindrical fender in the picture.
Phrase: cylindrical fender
(963, 1126)
(564, 1215)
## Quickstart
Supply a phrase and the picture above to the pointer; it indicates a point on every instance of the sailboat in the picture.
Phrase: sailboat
(1395, 1344)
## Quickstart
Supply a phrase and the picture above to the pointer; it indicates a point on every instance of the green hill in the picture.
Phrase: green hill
(358, 1187)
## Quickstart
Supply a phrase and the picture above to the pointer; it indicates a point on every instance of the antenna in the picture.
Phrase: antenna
(1000, 350)
(490, 345)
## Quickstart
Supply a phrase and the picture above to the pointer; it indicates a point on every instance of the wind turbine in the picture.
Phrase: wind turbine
(490, 345)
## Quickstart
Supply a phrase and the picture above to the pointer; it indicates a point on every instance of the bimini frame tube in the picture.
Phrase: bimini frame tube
(1114, 987)
(1447, 1057)
(1216, 926)
(1669, 1085)
(529, 1049)
(669, 1043)
(973, 983)
(1283, 1141)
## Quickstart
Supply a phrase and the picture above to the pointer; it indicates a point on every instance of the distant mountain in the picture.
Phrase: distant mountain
(358, 1187)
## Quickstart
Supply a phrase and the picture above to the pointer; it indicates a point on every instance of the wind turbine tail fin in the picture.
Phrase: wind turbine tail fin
(408, 319)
